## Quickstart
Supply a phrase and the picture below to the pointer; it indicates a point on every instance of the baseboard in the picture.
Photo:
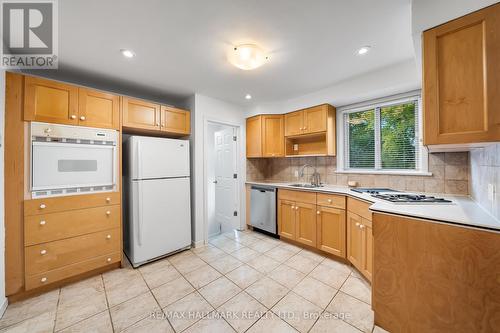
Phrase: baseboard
(199, 243)
(3, 307)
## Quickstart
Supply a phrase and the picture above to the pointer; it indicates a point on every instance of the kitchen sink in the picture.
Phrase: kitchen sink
(306, 185)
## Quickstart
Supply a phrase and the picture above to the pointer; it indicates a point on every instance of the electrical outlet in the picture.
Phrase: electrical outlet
(296, 173)
(491, 192)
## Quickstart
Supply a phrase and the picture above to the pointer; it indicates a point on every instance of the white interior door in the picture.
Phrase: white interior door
(226, 194)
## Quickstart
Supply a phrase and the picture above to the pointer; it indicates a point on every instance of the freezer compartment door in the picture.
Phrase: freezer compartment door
(161, 218)
(159, 158)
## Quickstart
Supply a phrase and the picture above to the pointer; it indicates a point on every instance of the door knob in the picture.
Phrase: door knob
(42, 206)
(108, 260)
(296, 208)
(358, 224)
(361, 226)
(215, 182)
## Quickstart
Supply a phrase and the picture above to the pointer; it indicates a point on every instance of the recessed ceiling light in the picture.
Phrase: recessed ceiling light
(364, 50)
(247, 56)
(127, 53)
(248, 96)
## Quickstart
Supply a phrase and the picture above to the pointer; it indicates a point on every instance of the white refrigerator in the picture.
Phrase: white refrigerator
(157, 209)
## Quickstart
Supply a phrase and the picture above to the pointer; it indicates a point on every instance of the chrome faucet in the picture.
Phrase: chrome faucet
(315, 178)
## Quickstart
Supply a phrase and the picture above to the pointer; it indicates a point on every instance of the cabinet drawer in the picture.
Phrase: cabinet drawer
(331, 200)
(299, 196)
(48, 256)
(360, 208)
(50, 227)
(59, 204)
(38, 280)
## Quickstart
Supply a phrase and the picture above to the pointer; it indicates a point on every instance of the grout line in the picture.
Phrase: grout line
(57, 310)
(107, 302)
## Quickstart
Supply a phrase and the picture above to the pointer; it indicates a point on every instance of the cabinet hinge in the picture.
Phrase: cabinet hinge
(235, 213)
(235, 137)
(235, 175)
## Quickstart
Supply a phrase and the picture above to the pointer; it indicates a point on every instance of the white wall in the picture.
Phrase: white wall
(213, 227)
(397, 78)
(3, 300)
(203, 109)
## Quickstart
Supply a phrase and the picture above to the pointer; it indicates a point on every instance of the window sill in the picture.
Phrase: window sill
(387, 172)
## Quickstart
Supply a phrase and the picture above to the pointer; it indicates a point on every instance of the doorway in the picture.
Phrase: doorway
(222, 179)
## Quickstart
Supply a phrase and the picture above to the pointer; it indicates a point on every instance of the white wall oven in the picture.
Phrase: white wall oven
(68, 160)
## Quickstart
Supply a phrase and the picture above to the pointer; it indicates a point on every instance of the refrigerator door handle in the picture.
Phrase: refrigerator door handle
(139, 160)
(139, 213)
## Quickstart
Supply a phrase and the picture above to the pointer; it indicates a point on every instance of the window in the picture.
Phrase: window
(382, 137)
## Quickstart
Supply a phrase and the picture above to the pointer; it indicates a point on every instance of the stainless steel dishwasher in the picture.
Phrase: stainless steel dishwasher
(263, 208)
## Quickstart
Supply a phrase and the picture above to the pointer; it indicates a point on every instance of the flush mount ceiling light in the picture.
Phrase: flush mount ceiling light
(248, 96)
(127, 53)
(364, 50)
(247, 56)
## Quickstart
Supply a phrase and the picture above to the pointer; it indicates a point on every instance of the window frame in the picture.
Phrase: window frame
(422, 167)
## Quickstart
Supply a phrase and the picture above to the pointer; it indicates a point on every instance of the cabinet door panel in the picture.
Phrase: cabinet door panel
(315, 119)
(294, 122)
(367, 264)
(273, 139)
(306, 223)
(50, 101)
(331, 225)
(354, 240)
(175, 120)
(140, 114)
(286, 219)
(254, 135)
(98, 109)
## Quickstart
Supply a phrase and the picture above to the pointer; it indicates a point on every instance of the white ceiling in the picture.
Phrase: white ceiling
(181, 44)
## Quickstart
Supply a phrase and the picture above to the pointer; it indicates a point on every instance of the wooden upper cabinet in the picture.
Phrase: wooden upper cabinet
(50, 101)
(461, 79)
(354, 240)
(315, 119)
(174, 120)
(286, 219)
(294, 123)
(140, 114)
(98, 109)
(254, 136)
(273, 143)
(331, 230)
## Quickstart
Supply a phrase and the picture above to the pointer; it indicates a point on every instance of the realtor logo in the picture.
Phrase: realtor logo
(29, 34)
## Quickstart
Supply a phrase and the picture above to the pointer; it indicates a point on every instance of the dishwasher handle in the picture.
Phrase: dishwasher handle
(263, 189)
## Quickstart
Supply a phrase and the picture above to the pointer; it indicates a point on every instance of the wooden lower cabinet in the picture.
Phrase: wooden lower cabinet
(354, 240)
(305, 222)
(367, 242)
(331, 231)
(286, 219)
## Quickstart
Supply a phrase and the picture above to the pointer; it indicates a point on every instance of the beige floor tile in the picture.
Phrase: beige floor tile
(242, 311)
(202, 276)
(187, 263)
(262, 245)
(79, 301)
(202, 248)
(263, 264)
(151, 325)
(267, 291)
(378, 329)
(301, 263)
(312, 255)
(99, 323)
(271, 323)
(180, 256)
(226, 263)
(32, 307)
(286, 276)
(315, 292)
(41, 323)
(128, 313)
(329, 324)
(123, 284)
(220, 241)
(187, 311)
(257, 234)
(339, 266)
(231, 246)
(172, 291)
(244, 276)
(245, 254)
(246, 239)
(219, 291)
(297, 311)
(157, 273)
(357, 313)
(357, 288)
(210, 324)
(280, 254)
(211, 254)
(330, 276)
(290, 247)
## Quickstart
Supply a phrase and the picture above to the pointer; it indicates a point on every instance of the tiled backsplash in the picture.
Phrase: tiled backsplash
(484, 170)
(450, 173)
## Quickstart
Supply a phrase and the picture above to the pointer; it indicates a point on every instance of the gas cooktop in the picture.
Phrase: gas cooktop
(410, 198)
(372, 190)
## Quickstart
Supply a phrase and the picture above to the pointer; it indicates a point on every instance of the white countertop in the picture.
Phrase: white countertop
(463, 210)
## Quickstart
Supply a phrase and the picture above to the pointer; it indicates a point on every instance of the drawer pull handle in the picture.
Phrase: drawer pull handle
(43, 280)
(43, 252)
(329, 200)
(108, 260)
(296, 208)
(42, 222)
(108, 213)
(108, 237)
(293, 207)
(358, 224)
(318, 212)
(73, 116)
(42, 206)
(108, 200)
(82, 118)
